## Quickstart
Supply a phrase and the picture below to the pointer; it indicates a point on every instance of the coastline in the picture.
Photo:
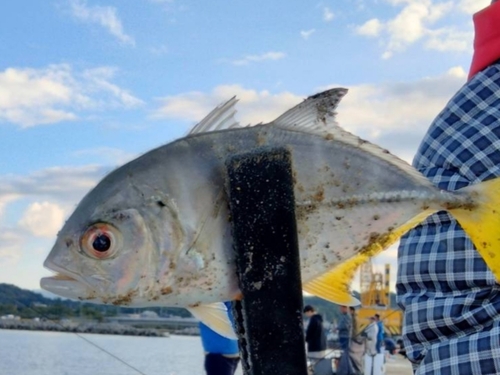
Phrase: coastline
(83, 327)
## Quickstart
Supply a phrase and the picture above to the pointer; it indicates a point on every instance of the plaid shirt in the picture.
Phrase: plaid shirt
(450, 299)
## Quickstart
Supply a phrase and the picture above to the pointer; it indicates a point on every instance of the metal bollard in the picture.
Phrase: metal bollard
(269, 316)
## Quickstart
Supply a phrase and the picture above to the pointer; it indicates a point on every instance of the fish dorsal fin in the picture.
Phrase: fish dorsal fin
(222, 117)
(316, 115)
(215, 316)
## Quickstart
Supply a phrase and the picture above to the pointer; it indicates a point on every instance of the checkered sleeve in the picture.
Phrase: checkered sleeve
(450, 299)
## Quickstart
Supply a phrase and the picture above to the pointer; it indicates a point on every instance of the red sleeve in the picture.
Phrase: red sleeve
(487, 38)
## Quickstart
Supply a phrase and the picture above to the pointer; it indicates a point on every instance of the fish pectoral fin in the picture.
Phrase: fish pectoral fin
(482, 223)
(334, 286)
(215, 316)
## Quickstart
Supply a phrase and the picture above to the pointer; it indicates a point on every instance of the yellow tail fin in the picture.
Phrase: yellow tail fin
(482, 223)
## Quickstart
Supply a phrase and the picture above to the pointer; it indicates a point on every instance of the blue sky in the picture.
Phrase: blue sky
(86, 85)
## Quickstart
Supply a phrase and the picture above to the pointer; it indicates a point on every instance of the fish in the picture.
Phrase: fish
(157, 230)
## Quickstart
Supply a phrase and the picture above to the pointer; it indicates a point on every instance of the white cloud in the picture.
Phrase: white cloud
(411, 23)
(370, 28)
(98, 80)
(449, 39)
(416, 22)
(43, 219)
(107, 155)
(307, 33)
(394, 114)
(64, 185)
(104, 16)
(473, 6)
(5, 199)
(327, 14)
(42, 200)
(268, 56)
(30, 97)
(253, 106)
(10, 245)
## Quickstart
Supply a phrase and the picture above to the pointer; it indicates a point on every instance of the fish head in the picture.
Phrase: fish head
(108, 250)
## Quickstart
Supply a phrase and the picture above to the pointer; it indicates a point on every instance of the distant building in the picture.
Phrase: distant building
(149, 314)
(10, 317)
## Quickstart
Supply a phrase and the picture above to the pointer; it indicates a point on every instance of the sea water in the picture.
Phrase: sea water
(56, 353)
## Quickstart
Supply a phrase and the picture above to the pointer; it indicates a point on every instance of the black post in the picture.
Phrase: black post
(269, 317)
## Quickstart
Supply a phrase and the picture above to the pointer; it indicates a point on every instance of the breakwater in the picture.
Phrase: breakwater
(87, 327)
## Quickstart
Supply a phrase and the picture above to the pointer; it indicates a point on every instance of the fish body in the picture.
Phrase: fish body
(157, 231)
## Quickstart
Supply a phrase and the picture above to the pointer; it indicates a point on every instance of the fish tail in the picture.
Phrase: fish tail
(481, 221)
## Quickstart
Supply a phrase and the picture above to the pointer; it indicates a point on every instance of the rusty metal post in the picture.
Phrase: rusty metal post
(269, 317)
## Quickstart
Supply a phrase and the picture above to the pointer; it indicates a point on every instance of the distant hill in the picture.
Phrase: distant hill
(27, 303)
(46, 294)
(13, 295)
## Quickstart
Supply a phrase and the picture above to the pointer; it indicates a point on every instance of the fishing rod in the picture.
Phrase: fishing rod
(80, 336)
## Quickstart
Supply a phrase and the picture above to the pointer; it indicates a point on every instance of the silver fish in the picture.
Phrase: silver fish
(156, 231)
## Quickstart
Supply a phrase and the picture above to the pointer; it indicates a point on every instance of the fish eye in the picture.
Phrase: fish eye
(100, 241)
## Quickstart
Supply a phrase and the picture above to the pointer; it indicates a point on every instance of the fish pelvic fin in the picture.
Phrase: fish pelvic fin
(334, 285)
(215, 316)
(482, 222)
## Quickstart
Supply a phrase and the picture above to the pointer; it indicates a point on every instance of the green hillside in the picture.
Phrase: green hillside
(28, 304)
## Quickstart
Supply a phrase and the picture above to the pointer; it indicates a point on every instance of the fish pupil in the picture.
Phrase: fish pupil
(101, 243)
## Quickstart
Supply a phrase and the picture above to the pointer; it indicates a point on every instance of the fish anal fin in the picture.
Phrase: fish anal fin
(334, 285)
(215, 316)
(482, 221)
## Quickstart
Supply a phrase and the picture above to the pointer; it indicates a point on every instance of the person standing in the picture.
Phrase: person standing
(221, 354)
(344, 328)
(354, 319)
(380, 334)
(449, 296)
(356, 346)
(315, 334)
(371, 333)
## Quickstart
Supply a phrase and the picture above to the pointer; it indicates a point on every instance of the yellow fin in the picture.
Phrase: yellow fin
(216, 317)
(482, 223)
(334, 285)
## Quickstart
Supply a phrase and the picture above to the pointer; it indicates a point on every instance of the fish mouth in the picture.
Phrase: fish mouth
(64, 286)
(60, 276)
(64, 283)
